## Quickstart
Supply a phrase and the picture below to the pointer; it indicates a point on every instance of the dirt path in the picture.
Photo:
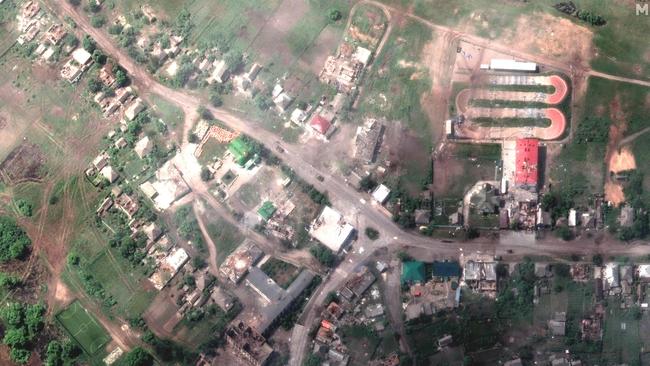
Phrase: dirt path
(212, 247)
(633, 137)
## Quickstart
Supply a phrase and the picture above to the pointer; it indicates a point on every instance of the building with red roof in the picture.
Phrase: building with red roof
(320, 124)
(527, 160)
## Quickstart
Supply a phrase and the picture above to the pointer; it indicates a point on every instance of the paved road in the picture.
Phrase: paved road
(339, 192)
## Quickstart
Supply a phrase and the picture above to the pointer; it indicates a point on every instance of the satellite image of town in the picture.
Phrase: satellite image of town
(324, 182)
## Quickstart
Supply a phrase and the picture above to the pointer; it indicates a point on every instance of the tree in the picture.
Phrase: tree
(216, 100)
(334, 15)
(367, 183)
(372, 233)
(564, 233)
(597, 259)
(120, 78)
(88, 44)
(34, 318)
(9, 281)
(138, 357)
(74, 2)
(97, 21)
(73, 259)
(99, 56)
(193, 138)
(15, 338)
(322, 254)
(13, 240)
(24, 207)
(206, 175)
(94, 85)
(205, 113)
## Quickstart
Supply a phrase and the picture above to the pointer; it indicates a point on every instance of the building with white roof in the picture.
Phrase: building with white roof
(362, 55)
(134, 109)
(381, 193)
(512, 65)
(81, 56)
(109, 173)
(331, 229)
(169, 267)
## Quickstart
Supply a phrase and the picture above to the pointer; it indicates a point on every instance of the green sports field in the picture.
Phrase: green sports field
(83, 328)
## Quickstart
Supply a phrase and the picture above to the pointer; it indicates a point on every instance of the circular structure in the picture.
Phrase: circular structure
(556, 129)
(561, 89)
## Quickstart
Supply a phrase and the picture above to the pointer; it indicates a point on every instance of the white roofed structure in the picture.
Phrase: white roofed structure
(512, 65)
(331, 229)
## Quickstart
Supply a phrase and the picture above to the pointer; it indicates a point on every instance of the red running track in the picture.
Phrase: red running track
(561, 89)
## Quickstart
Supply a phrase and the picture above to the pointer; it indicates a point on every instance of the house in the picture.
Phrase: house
(445, 341)
(282, 101)
(55, 33)
(219, 73)
(134, 109)
(321, 125)
(373, 311)
(515, 362)
(412, 272)
(445, 270)
(486, 200)
(380, 194)
(143, 147)
(100, 161)
(298, 116)
(81, 57)
(109, 173)
(366, 140)
(573, 217)
(127, 204)
(120, 143)
(248, 344)
(362, 55)
(331, 229)
(557, 325)
(152, 231)
(106, 75)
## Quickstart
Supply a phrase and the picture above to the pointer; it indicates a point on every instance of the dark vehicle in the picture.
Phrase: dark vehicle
(320, 178)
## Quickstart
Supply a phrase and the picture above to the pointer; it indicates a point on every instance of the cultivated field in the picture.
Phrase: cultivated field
(83, 328)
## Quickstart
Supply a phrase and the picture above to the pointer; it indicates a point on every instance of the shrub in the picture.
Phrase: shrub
(372, 233)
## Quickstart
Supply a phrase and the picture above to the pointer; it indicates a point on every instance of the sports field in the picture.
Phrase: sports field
(83, 328)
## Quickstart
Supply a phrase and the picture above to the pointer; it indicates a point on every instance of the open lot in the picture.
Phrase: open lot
(396, 88)
(459, 166)
(282, 273)
(618, 47)
(83, 328)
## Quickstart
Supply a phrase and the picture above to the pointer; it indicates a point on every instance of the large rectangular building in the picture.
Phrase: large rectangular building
(527, 160)
(512, 65)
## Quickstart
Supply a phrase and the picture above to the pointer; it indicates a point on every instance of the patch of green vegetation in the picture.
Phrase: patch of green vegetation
(499, 103)
(22, 324)
(512, 122)
(13, 240)
(225, 236)
(188, 226)
(547, 89)
(362, 342)
(24, 207)
(281, 272)
(323, 254)
(83, 328)
(390, 90)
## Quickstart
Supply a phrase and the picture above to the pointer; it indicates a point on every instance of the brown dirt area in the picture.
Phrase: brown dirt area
(548, 35)
(622, 160)
(613, 189)
(24, 163)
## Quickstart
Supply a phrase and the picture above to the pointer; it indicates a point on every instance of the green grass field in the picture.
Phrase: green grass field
(83, 328)
(225, 236)
(122, 282)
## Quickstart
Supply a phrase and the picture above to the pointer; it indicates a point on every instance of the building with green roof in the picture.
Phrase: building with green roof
(413, 272)
(240, 149)
(267, 210)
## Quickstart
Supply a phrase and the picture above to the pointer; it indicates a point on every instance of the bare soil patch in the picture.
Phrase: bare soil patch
(613, 189)
(23, 164)
(552, 36)
(622, 160)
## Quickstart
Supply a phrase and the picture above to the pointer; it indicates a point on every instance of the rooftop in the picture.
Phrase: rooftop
(331, 229)
(413, 272)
